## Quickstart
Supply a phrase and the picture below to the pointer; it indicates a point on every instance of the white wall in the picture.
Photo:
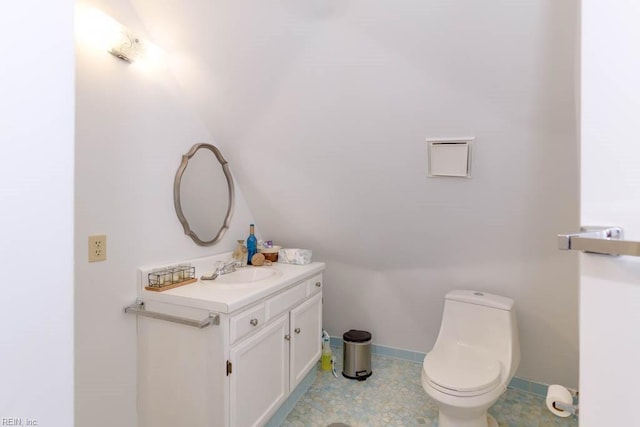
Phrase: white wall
(610, 287)
(321, 109)
(328, 103)
(132, 128)
(36, 221)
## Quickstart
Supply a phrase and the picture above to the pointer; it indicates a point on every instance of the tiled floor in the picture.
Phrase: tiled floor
(393, 396)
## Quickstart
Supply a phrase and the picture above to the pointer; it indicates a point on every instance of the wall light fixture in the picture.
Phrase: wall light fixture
(128, 47)
(105, 33)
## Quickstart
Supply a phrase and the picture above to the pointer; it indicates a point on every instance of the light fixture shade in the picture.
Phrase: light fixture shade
(105, 33)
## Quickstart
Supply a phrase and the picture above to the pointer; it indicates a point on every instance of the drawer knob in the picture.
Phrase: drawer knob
(287, 337)
(318, 284)
(254, 322)
(297, 330)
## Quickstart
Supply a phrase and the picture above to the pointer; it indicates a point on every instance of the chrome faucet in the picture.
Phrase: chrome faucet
(222, 269)
(227, 268)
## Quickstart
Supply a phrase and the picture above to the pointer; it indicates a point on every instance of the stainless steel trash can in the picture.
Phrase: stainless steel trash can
(356, 355)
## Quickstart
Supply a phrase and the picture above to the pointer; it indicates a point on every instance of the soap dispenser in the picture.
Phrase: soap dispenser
(241, 253)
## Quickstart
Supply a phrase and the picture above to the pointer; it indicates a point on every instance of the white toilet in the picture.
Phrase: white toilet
(474, 358)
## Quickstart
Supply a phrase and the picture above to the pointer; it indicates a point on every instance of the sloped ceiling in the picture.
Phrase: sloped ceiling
(322, 108)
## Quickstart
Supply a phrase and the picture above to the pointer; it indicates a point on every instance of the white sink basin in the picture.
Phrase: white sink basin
(247, 275)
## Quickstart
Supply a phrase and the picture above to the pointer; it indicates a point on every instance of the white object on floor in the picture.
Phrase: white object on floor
(557, 393)
(333, 366)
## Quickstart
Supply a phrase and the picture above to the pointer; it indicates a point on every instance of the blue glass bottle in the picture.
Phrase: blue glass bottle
(252, 244)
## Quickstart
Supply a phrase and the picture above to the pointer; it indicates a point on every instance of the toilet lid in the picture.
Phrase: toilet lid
(462, 369)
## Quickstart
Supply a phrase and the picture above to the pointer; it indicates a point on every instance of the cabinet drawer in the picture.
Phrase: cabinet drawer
(246, 322)
(314, 285)
(282, 302)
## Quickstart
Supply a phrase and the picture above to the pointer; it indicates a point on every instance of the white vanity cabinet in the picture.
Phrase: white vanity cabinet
(270, 363)
(236, 373)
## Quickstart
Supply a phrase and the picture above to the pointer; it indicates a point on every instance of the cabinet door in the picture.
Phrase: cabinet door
(181, 377)
(259, 381)
(306, 335)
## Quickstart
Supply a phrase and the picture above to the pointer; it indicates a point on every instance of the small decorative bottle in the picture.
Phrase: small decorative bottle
(240, 253)
(252, 244)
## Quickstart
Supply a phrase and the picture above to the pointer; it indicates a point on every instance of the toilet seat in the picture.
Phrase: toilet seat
(461, 371)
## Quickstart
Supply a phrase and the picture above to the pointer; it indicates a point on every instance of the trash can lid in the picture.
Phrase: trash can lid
(354, 335)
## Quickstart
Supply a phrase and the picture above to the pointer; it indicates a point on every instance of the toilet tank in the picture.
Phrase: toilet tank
(484, 321)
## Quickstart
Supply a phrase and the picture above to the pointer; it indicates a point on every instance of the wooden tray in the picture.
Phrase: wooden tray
(173, 285)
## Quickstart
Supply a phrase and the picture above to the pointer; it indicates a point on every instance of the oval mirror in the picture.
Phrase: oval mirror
(203, 194)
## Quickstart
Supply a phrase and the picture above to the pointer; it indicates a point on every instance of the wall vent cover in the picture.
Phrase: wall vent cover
(450, 157)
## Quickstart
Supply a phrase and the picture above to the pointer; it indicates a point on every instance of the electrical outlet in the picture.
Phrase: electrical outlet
(98, 248)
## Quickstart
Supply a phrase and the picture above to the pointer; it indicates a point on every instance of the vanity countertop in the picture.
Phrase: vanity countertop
(221, 297)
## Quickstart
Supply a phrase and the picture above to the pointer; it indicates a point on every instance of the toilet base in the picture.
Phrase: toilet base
(482, 421)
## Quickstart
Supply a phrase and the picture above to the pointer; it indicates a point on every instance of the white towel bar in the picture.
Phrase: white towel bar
(139, 309)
